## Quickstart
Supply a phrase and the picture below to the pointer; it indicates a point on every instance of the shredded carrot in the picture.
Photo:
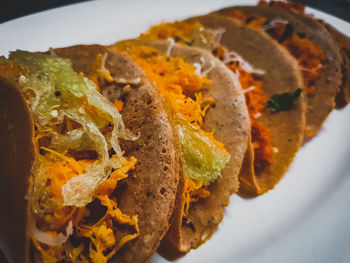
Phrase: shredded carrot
(103, 242)
(108, 186)
(261, 140)
(193, 191)
(101, 234)
(310, 57)
(60, 172)
(182, 32)
(119, 105)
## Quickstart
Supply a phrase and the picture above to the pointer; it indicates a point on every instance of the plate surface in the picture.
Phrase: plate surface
(305, 219)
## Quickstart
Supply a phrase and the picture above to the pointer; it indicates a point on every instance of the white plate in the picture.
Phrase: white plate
(305, 219)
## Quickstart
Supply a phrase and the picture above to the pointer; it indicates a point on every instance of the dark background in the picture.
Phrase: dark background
(10, 9)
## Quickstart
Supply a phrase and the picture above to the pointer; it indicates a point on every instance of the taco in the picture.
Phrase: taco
(80, 182)
(208, 112)
(268, 76)
(317, 53)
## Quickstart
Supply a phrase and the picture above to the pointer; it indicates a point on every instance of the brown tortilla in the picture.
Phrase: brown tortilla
(149, 191)
(281, 75)
(229, 118)
(343, 97)
(16, 160)
(322, 102)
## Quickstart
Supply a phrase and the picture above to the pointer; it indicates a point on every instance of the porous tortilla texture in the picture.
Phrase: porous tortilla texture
(322, 102)
(281, 75)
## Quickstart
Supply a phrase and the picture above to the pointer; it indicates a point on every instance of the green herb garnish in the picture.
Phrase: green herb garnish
(283, 101)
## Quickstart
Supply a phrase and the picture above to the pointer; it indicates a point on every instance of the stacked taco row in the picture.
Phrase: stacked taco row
(115, 152)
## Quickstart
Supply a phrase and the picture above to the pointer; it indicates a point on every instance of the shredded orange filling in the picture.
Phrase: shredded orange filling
(108, 186)
(119, 105)
(102, 242)
(193, 191)
(181, 32)
(61, 171)
(309, 55)
(180, 86)
(310, 58)
(262, 146)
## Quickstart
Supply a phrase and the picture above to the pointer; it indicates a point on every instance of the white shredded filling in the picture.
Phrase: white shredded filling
(218, 33)
(249, 89)
(319, 66)
(171, 45)
(47, 238)
(273, 23)
(232, 56)
(210, 68)
(134, 81)
(199, 66)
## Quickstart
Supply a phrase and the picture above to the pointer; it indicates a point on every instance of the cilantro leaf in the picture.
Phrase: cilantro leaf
(283, 101)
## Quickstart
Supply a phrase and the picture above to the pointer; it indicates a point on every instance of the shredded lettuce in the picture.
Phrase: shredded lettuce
(55, 92)
(203, 160)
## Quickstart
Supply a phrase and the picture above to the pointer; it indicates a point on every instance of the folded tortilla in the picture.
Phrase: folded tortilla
(147, 194)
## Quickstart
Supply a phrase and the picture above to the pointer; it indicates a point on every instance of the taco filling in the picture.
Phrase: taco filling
(309, 55)
(75, 215)
(180, 84)
(256, 100)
